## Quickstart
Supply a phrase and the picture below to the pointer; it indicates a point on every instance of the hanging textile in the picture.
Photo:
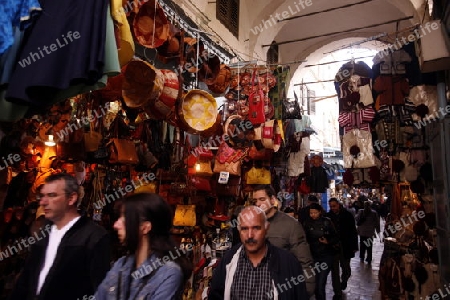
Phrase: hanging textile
(65, 47)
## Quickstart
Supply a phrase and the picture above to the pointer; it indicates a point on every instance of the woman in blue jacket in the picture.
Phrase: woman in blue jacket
(154, 267)
(323, 241)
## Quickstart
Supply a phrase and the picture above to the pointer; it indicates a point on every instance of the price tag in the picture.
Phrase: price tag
(223, 177)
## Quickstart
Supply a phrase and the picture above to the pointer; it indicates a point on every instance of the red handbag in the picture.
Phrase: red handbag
(263, 154)
(303, 188)
(204, 153)
(200, 183)
(257, 113)
(225, 153)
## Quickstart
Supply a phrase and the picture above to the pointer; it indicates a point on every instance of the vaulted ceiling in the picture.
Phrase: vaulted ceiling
(322, 24)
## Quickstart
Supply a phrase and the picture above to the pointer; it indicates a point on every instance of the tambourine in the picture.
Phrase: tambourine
(197, 112)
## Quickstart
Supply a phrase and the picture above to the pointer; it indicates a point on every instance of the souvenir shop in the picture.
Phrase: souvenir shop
(148, 103)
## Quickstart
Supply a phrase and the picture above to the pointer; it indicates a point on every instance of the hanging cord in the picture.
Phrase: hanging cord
(197, 66)
(154, 24)
(424, 11)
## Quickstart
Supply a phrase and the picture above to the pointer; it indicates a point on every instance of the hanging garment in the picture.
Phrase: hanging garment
(318, 181)
(392, 89)
(358, 149)
(348, 69)
(15, 13)
(65, 47)
(125, 45)
(295, 165)
(365, 93)
(392, 62)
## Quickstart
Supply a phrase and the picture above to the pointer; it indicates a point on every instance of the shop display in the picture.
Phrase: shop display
(122, 123)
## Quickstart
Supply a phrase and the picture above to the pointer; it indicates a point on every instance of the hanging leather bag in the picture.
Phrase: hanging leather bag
(256, 104)
(122, 151)
(258, 176)
(185, 215)
(291, 110)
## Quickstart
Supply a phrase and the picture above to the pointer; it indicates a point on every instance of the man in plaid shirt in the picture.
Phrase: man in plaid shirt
(256, 269)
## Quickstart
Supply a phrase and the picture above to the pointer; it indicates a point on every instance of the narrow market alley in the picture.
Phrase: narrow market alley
(363, 284)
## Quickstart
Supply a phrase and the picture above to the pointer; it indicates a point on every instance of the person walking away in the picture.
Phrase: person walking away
(284, 231)
(71, 255)
(344, 223)
(154, 268)
(322, 238)
(368, 223)
(256, 269)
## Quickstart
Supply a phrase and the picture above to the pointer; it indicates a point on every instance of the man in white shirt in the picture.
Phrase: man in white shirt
(73, 260)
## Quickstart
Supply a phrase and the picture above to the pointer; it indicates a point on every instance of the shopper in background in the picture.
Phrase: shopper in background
(154, 268)
(71, 254)
(284, 232)
(344, 223)
(324, 241)
(256, 269)
(368, 223)
(289, 211)
(303, 213)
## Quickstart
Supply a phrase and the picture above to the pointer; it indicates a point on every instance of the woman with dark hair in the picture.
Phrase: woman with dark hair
(154, 267)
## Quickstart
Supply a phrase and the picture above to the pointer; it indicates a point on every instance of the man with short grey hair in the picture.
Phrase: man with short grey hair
(256, 269)
(73, 259)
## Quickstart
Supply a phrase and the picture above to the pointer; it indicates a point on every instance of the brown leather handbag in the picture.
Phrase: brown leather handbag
(122, 151)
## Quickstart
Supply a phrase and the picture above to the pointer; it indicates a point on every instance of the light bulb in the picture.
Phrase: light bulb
(197, 167)
(50, 142)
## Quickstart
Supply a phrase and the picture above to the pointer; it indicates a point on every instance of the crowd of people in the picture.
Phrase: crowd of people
(276, 255)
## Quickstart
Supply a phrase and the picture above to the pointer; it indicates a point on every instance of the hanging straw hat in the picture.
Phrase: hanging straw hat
(222, 80)
(150, 25)
(170, 49)
(142, 82)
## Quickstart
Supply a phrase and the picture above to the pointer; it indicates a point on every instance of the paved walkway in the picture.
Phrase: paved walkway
(363, 284)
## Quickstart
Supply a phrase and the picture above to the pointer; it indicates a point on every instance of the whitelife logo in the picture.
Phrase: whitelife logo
(46, 50)
(74, 126)
(272, 20)
(24, 243)
(403, 41)
(109, 198)
(440, 114)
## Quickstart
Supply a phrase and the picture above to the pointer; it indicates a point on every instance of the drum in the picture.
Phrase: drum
(169, 93)
(197, 112)
(161, 107)
(142, 83)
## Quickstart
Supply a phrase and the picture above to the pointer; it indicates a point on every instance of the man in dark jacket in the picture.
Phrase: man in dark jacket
(72, 260)
(345, 226)
(256, 269)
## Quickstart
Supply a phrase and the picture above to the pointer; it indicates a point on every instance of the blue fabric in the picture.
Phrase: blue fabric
(15, 13)
(165, 283)
(65, 47)
(8, 58)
